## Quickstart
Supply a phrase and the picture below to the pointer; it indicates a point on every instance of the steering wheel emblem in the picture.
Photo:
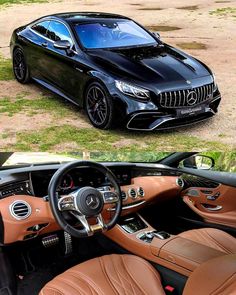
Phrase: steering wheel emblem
(191, 98)
(92, 201)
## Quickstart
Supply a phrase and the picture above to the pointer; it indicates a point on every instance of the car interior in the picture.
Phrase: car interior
(89, 227)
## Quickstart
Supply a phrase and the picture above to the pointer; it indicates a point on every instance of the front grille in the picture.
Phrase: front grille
(186, 97)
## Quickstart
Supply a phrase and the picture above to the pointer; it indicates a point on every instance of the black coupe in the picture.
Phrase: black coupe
(114, 68)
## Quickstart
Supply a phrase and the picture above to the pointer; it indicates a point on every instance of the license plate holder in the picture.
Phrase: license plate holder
(191, 111)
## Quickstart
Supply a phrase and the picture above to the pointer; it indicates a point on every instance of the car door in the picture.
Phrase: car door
(35, 53)
(213, 199)
(60, 65)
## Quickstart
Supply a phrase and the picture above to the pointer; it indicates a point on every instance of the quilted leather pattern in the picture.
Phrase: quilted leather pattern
(108, 275)
(213, 238)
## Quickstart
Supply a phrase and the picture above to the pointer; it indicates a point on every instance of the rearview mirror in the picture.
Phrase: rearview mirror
(200, 162)
(157, 35)
(62, 44)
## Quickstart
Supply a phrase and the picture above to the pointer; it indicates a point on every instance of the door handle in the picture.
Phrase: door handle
(212, 208)
(45, 44)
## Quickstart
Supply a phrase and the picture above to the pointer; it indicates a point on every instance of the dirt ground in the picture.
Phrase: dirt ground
(215, 31)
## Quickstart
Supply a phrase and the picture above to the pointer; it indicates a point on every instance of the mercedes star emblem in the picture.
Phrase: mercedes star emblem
(191, 98)
(92, 201)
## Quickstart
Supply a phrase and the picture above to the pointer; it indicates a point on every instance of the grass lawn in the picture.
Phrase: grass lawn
(5, 69)
(68, 137)
(9, 2)
(62, 130)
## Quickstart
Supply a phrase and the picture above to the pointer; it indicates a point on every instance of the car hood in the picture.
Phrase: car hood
(153, 64)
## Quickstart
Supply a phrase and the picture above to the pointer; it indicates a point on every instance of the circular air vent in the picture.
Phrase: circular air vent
(141, 192)
(124, 196)
(180, 182)
(20, 210)
(132, 193)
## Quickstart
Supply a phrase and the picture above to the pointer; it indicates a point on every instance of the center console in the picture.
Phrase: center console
(176, 253)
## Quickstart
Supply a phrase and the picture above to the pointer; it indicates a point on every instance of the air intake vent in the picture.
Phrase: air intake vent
(180, 182)
(141, 192)
(132, 193)
(123, 195)
(20, 210)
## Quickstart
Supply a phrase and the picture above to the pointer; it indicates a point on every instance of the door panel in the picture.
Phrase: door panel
(216, 205)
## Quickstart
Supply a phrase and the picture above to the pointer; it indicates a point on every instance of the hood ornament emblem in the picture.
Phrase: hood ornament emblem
(188, 82)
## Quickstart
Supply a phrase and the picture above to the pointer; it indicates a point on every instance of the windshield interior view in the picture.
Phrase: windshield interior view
(96, 224)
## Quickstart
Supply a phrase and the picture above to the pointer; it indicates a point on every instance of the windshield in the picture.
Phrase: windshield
(22, 158)
(112, 34)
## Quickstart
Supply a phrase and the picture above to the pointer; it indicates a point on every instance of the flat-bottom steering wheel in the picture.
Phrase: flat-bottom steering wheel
(86, 202)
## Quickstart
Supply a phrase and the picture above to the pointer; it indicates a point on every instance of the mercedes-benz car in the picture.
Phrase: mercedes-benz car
(119, 72)
(165, 225)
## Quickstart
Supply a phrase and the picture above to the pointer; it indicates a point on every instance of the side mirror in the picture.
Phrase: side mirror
(200, 162)
(62, 44)
(157, 35)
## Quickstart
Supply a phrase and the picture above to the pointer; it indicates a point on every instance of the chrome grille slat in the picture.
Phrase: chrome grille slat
(178, 98)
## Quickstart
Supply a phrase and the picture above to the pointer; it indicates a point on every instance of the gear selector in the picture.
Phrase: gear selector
(149, 236)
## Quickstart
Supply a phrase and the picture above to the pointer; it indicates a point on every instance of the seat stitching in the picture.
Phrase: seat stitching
(223, 285)
(120, 282)
(87, 280)
(72, 285)
(106, 275)
(125, 266)
(54, 289)
(147, 265)
(124, 278)
(218, 243)
(196, 240)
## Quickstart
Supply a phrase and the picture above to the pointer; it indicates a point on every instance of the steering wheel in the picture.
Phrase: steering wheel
(86, 202)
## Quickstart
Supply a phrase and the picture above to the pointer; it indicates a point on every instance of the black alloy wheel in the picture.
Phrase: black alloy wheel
(99, 106)
(20, 68)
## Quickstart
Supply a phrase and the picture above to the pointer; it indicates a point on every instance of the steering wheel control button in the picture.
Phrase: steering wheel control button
(66, 203)
(110, 197)
(89, 201)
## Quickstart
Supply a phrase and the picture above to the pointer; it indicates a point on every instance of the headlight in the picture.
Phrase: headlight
(131, 90)
(214, 81)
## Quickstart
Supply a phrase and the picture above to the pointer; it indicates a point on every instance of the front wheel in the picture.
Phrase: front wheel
(20, 67)
(99, 106)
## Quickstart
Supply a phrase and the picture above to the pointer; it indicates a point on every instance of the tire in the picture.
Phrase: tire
(99, 106)
(20, 68)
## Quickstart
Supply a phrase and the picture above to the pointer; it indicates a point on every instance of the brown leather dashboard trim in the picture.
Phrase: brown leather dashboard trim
(156, 188)
(15, 230)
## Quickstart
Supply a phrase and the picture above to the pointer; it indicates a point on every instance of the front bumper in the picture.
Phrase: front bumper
(148, 120)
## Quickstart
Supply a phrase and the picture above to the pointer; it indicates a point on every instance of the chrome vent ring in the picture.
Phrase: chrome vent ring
(20, 209)
(132, 193)
(180, 182)
(124, 196)
(140, 192)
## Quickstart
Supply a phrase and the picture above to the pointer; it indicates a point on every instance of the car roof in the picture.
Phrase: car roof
(80, 17)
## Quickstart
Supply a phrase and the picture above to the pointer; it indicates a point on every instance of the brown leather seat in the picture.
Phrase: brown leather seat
(213, 238)
(129, 275)
(108, 275)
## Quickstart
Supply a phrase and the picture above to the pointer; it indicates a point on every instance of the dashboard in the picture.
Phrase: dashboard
(25, 210)
(35, 181)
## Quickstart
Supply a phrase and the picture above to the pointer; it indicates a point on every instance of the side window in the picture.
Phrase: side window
(57, 31)
(41, 27)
